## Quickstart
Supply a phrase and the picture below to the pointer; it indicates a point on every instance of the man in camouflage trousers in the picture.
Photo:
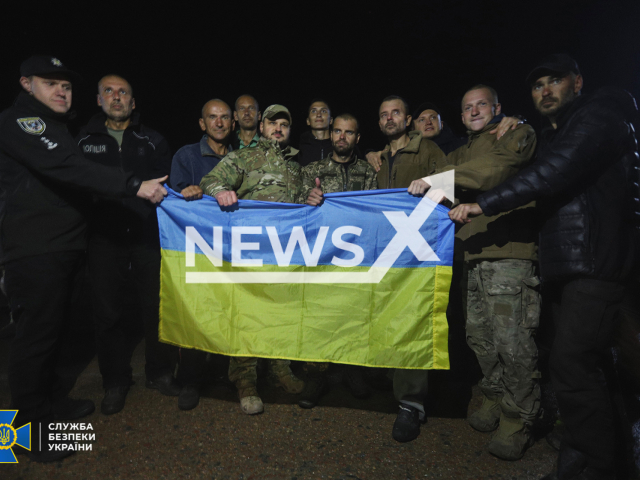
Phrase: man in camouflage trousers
(503, 303)
(340, 171)
(270, 173)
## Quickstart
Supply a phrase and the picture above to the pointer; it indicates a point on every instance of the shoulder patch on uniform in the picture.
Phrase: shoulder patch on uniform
(32, 125)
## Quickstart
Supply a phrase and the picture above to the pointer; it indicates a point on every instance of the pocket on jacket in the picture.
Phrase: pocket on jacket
(506, 302)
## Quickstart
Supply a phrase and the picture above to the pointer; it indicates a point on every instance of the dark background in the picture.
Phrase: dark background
(350, 53)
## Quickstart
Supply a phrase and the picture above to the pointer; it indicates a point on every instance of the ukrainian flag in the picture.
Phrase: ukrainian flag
(362, 279)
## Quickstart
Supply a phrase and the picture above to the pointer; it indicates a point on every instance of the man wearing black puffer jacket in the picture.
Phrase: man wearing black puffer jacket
(124, 237)
(585, 180)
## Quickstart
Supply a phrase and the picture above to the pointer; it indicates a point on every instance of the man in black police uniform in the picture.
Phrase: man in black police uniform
(585, 180)
(44, 181)
(124, 239)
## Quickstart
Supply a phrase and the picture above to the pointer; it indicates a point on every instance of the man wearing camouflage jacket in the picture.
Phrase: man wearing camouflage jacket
(340, 171)
(270, 173)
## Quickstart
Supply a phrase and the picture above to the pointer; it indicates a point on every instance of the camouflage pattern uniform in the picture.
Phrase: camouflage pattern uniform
(503, 311)
(264, 172)
(502, 300)
(334, 176)
(268, 173)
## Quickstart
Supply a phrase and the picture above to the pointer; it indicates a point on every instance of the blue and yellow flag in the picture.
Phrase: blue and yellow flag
(362, 279)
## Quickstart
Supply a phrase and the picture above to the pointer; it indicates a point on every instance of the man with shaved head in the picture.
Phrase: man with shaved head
(124, 243)
(190, 164)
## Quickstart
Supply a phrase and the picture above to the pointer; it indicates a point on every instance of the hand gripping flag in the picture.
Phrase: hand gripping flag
(362, 279)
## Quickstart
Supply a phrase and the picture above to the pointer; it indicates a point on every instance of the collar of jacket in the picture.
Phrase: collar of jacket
(24, 100)
(567, 111)
(613, 97)
(353, 159)
(98, 121)
(446, 135)
(308, 137)
(287, 152)
(489, 126)
(415, 137)
(207, 151)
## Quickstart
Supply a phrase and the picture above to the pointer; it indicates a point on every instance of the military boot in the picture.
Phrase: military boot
(314, 388)
(250, 401)
(486, 419)
(283, 377)
(512, 439)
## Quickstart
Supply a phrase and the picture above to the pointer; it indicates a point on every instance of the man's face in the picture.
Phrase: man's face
(276, 128)
(115, 96)
(428, 124)
(217, 122)
(247, 114)
(393, 117)
(344, 136)
(319, 116)
(478, 109)
(551, 93)
(52, 90)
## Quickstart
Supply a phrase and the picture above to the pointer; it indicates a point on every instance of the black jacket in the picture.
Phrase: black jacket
(45, 182)
(449, 141)
(312, 149)
(585, 180)
(144, 153)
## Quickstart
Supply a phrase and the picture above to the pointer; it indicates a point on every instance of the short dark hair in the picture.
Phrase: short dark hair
(318, 100)
(347, 116)
(480, 86)
(235, 104)
(397, 97)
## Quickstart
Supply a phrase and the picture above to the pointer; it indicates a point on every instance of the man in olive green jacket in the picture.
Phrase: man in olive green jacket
(408, 155)
(503, 304)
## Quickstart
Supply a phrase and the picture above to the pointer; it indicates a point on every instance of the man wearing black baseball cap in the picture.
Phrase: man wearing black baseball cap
(428, 121)
(585, 181)
(45, 186)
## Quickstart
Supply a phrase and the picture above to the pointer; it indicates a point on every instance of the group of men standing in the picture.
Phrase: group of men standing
(582, 177)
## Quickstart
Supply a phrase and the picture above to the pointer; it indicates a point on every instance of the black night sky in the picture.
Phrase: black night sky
(350, 53)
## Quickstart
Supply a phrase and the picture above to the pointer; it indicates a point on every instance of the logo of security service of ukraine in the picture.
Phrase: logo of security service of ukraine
(32, 125)
(9, 436)
(56, 62)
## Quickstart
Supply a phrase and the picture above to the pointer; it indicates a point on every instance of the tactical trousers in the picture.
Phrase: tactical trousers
(242, 370)
(503, 312)
(39, 290)
(109, 264)
(584, 311)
